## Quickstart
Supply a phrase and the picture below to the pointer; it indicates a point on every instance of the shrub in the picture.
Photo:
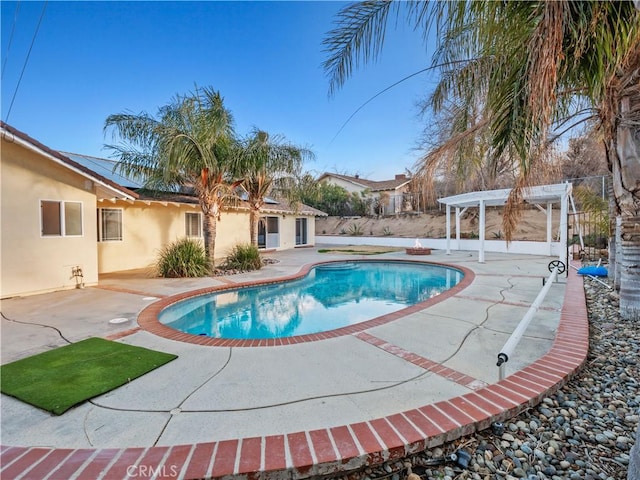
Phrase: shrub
(355, 230)
(243, 257)
(387, 231)
(182, 258)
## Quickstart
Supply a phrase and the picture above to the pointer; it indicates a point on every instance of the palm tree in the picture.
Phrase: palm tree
(188, 144)
(266, 164)
(525, 73)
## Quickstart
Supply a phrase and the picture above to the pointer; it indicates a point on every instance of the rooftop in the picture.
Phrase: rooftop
(399, 181)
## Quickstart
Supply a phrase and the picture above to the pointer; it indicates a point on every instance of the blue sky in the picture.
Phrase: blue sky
(92, 59)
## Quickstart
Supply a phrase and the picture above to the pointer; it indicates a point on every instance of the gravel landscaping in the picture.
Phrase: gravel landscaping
(583, 432)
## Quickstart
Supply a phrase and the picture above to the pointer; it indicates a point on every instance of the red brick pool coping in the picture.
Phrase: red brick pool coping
(331, 450)
(148, 318)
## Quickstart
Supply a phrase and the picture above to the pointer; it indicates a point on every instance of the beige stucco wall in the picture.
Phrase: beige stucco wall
(311, 225)
(233, 229)
(348, 186)
(148, 228)
(287, 232)
(287, 225)
(31, 263)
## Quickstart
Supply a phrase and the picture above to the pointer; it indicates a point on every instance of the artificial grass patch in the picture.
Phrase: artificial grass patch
(59, 379)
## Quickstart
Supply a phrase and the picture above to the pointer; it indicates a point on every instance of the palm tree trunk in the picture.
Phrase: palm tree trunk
(614, 264)
(626, 171)
(613, 220)
(630, 268)
(210, 228)
(634, 463)
(254, 219)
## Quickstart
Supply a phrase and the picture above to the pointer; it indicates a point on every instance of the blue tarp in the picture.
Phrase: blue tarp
(593, 271)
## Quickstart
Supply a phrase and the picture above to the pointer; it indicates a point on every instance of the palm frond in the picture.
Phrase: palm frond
(357, 38)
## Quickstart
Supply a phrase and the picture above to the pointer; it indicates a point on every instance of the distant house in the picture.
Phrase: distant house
(66, 218)
(390, 194)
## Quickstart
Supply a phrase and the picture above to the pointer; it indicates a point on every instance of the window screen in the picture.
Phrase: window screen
(192, 224)
(111, 224)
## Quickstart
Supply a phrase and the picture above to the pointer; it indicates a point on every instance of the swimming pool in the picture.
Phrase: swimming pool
(330, 296)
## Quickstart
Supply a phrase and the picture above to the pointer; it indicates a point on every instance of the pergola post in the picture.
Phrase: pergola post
(448, 229)
(564, 210)
(481, 228)
(549, 225)
(458, 215)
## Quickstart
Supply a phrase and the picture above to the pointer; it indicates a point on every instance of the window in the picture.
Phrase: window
(193, 225)
(272, 224)
(72, 218)
(61, 219)
(301, 231)
(51, 219)
(110, 224)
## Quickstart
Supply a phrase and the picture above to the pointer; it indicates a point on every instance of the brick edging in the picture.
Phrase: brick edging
(148, 317)
(335, 449)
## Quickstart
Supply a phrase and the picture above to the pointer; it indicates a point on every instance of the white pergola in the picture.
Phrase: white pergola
(545, 195)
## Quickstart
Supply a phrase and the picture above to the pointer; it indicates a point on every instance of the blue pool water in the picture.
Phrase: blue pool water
(331, 296)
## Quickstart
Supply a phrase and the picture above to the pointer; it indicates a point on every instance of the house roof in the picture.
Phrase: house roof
(282, 206)
(105, 187)
(270, 206)
(114, 186)
(104, 167)
(373, 185)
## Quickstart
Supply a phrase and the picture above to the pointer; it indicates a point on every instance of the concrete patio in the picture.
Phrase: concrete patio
(423, 377)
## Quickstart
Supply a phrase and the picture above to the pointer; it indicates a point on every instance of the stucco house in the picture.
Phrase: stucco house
(66, 218)
(391, 194)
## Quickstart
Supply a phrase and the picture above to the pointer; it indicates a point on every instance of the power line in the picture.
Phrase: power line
(376, 96)
(26, 60)
(13, 29)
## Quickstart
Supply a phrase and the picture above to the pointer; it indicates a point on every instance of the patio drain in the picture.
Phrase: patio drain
(118, 320)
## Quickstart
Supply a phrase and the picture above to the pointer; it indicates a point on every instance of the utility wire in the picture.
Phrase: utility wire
(26, 60)
(411, 75)
(13, 29)
(376, 96)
